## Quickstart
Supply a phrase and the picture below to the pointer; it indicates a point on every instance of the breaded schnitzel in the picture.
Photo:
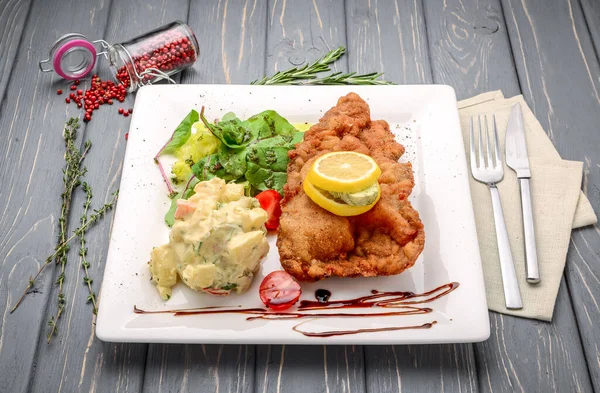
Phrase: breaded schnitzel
(314, 243)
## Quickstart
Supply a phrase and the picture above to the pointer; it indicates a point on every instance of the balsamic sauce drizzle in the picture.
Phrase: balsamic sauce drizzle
(331, 333)
(404, 302)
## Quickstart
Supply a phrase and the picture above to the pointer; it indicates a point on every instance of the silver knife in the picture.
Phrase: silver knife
(517, 159)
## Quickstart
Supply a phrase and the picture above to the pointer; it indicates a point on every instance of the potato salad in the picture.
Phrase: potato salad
(216, 243)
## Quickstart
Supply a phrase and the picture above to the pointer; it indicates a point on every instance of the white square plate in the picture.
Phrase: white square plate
(424, 118)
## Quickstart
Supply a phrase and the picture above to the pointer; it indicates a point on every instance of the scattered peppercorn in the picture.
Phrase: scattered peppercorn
(99, 93)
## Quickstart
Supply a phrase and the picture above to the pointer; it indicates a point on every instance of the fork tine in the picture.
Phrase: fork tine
(472, 143)
(497, 148)
(491, 162)
(482, 162)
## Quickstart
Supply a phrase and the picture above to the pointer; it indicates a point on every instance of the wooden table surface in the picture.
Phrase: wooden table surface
(546, 50)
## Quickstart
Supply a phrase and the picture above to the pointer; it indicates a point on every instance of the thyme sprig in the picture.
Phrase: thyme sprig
(83, 249)
(62, 246)
(308, 74)
(72, 174)
(53, 322)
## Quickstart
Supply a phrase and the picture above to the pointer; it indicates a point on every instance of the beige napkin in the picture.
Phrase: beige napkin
(558, 204)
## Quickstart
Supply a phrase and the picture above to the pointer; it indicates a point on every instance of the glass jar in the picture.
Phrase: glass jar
(144, 60)
(154, 56)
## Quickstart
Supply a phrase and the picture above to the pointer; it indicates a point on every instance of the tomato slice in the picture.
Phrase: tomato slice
(269, 202)
(279, 291)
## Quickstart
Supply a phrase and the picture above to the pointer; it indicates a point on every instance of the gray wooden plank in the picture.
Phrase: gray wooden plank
(388, 37)
(78, 361)
(231, 36)
(300, 32)
(206, 368)
(512, 339)
(31, 161)
(533, 356)
(560, 78)
(421, 368)
(315, 368)
(555, 61)
(591, 10)
(12, 20)
(392, 38)
(469, 47)
(583, 278)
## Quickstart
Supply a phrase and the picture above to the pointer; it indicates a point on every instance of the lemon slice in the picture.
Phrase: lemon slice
(339, 209)
(344, 171)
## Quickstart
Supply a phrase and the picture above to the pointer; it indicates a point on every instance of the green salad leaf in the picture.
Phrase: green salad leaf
(178, 138)
(209, 167)
(254, 150)
(181, 134)
(185, 194)
(233, 160)
(233, 133)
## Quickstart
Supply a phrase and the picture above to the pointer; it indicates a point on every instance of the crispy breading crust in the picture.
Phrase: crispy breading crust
(314, 243)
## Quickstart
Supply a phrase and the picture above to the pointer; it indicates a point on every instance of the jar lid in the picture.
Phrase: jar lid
(72, 56)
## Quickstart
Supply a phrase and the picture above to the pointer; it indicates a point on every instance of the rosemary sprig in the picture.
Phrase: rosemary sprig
(308, 71)
(53, 322)
(62, 246)
(339, 78)
(83, 249)
(307, 75)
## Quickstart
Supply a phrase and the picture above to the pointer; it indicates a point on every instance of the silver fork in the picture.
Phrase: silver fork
(488, 169)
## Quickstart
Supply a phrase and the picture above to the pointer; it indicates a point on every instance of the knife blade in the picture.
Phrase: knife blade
(518, 160)
(516, 147)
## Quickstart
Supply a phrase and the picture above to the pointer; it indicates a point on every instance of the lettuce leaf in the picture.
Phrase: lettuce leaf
(181, 134)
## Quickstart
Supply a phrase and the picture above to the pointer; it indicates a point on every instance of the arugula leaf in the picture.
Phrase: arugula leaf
(229, 286)
(181, 134)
